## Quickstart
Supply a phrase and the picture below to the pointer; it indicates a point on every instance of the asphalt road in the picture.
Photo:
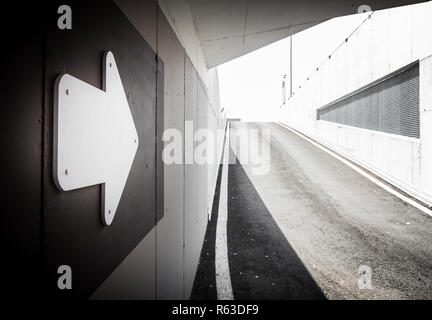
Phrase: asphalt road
(303, 229)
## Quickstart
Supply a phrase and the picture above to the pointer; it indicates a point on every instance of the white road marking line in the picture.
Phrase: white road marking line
(223, 278)
(364, 173)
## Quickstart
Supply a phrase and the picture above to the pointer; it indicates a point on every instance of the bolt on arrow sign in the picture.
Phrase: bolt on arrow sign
(95, 139)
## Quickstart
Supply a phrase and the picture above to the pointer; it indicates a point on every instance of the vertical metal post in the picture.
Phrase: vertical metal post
(291, 79)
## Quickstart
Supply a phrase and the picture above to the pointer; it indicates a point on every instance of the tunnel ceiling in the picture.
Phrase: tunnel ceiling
(231, 28)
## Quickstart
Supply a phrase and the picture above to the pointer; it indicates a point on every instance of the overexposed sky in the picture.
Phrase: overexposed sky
(250, 86)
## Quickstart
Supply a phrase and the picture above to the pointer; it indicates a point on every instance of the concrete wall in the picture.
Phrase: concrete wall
(171, 251)
(385, 42)
(426, 123)
(152, 248)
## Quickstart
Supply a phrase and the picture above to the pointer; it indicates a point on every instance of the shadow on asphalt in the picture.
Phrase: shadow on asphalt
(263, 265)
(204, 287)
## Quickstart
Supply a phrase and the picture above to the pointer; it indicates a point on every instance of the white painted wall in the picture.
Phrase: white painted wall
(426, 124)
(191, 95)
(385, 42)
(178, 14)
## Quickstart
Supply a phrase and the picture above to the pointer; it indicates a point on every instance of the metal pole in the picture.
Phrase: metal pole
(291, 86)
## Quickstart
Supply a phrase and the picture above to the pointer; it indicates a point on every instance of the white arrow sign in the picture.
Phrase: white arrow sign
(95, 139)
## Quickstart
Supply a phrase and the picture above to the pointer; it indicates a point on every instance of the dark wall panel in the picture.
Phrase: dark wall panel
(21, 96)
(159, 142)
(73, 232)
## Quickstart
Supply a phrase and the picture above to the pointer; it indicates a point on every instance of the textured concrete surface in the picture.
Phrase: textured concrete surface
(302, 230)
